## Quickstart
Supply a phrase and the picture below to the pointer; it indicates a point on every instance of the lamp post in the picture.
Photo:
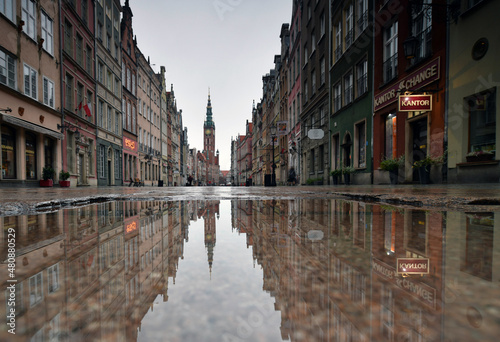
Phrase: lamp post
(273, 136)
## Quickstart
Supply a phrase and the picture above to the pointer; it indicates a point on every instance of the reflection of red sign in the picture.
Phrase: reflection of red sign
(130, 225)
(130, 144)
(423, 292)
(413, 265)
(129, 228)
(415, 103)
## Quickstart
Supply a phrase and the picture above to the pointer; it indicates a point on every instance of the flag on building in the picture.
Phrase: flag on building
(88, 109)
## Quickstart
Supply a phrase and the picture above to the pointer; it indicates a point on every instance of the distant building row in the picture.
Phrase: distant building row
(77, 94)
(362, 81)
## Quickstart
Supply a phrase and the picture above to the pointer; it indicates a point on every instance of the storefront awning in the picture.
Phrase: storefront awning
(32, 127)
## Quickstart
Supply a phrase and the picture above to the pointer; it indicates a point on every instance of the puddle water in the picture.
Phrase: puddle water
(250, 270)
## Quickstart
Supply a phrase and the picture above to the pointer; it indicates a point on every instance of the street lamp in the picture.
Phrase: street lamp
(273, 136)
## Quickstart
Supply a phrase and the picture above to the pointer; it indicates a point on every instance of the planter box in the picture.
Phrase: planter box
(424, 174)
(393, 176)
(479, 158)
(46, 183)
(64, 183)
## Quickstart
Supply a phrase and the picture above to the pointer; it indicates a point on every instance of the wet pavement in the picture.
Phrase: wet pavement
(18, 201)
(251, 264)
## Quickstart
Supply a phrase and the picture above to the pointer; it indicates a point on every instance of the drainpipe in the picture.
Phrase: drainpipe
(61, 87)
(444, 170)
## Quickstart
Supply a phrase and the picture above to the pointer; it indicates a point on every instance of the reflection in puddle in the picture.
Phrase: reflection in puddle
(248, 270)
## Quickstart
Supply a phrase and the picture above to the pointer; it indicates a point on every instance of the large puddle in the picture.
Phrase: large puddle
(250, 270)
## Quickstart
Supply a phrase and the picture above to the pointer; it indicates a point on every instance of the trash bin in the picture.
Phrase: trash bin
(160, 183)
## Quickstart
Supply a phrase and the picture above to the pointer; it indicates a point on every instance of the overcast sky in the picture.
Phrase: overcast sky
(227, 45)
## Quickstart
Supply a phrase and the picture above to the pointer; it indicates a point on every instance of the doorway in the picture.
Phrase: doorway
(419, 143)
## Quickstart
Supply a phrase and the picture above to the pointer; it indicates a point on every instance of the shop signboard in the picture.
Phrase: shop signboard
(415, 103)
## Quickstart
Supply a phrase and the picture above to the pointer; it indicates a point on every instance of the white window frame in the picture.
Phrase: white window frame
(47, 25)
(36, 284)
(49, 89)
(8, 9)
(28, 15)
(349, 26)
(8, 69)
(32, 92)
(348, 87)
(53, 278)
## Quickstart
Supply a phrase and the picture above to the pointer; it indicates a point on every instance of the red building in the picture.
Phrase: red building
(417, 132)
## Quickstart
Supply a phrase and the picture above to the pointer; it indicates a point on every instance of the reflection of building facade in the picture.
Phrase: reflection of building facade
(471, 275)
(209, 211)
(407, 307)
(91, 272)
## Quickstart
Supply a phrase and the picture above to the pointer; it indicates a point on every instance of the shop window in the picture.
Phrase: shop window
(8, 153)
(48, 146)
(30, 156)
(390, 136)
(482, 116)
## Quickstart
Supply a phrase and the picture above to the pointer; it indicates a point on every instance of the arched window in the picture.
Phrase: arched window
(8, 153)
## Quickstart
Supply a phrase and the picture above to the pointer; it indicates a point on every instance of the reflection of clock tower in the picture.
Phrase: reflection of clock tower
(209, 146)
(212, 209)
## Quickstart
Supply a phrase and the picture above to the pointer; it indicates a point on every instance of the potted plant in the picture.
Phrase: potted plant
(392, 165)
(424, 167)
(310, 181)
(347, 171)
(47, 176)
(477, 156)
(63, 179)
(335, 175)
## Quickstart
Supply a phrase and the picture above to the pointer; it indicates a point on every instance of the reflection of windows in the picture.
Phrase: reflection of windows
(482, 116)
(36, 289)
(478, 255)
(416, 233)
(53, 278)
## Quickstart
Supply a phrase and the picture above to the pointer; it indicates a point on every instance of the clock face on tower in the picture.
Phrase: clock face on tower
(208, 131)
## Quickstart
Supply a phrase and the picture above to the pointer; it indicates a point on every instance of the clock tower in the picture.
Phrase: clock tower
(212, 160)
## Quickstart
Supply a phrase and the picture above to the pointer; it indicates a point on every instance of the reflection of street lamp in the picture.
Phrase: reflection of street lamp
(273, 136)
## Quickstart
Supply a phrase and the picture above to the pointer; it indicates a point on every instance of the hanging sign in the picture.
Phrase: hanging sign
(315, 134)
(415, 103)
